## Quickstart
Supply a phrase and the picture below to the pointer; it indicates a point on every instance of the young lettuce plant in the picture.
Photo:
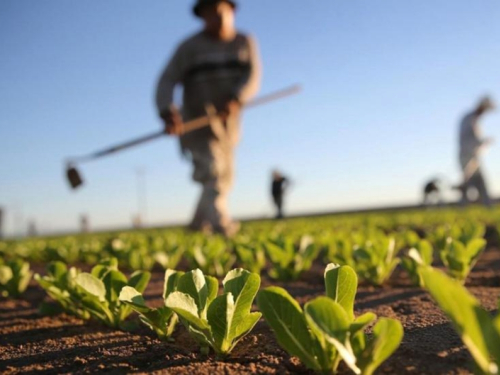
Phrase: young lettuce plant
(14, 278)
(339, 250)
(421, 253)
(219, 322)
(288, 261)
(60, 285)
(479, 331)
(469, 231)
(462, 232)
(212, 256)
(252, 256)
(410, 239)
(161, 320)
(405, 238)
(460, 258)
(139, 259)
(100, 290)
(375, 260)
(171, 258)
(326, 331)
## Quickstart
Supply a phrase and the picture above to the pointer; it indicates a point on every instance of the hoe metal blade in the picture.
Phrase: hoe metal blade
(74, 178)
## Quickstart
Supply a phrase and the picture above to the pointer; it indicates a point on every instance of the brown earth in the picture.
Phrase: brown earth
(30, 342)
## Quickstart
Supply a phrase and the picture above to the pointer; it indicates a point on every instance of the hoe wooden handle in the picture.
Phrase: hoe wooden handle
(188, 127)
(204, 121)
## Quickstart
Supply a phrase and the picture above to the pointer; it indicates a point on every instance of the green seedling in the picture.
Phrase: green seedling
(100, 290)
(217, 322)
(161, 320)
(375, 260)
(60, 285)
(339, 250)
(421, 253)
(212, 256)
(326, 331)
(171, 258)
(462, 232)
(460, 258)
(251, 257)
(14, 278)
(289, 261)
(479, 331)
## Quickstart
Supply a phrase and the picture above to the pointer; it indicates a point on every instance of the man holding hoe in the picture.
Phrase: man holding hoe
(219, 70)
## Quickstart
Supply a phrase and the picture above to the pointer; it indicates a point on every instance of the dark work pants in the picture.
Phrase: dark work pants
(278, 201)
(477, 181)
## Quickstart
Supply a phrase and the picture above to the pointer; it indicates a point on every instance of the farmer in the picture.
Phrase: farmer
(278, 187)
(432, 192)
(471, 144)
(219, 69)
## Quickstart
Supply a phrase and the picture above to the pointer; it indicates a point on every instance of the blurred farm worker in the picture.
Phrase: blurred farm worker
(278, 188)
(84, 224)
(432, 192)
(219, 70)
(471, 145)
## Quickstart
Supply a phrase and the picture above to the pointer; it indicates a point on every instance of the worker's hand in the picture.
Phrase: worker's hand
(231, 108)
(173, 121)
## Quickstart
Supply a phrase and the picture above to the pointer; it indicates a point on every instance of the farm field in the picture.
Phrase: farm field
(46, 340)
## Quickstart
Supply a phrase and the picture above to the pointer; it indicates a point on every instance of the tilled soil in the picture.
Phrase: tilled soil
(30, 342)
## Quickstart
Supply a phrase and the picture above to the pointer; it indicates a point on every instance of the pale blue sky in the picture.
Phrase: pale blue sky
(385, 84)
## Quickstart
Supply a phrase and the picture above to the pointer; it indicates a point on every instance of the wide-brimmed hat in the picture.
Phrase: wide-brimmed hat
(201, 3)
(486, 103)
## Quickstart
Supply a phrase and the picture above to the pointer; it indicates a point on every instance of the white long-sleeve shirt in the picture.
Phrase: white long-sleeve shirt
(470, 140)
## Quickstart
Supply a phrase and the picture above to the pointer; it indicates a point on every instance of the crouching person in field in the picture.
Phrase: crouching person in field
(219, 70)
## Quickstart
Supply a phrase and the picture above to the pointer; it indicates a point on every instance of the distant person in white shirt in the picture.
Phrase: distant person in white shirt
(471, 145)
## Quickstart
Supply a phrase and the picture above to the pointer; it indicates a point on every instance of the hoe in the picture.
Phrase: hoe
(74, 177)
